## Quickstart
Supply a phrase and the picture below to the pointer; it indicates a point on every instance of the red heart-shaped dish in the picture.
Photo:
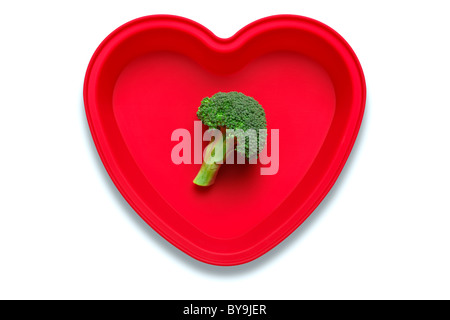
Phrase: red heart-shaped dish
(147, 79)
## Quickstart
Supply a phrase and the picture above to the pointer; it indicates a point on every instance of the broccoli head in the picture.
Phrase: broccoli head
(242, 122)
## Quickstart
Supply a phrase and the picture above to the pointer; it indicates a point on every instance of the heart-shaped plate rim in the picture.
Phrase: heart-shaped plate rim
(325, 182)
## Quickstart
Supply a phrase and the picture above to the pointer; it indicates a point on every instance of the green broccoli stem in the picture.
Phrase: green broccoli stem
(211, 163)
(207, 174)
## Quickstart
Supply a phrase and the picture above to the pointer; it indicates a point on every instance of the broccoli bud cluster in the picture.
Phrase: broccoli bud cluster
(241, 116)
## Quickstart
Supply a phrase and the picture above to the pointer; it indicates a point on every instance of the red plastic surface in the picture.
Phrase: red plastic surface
(147, 79)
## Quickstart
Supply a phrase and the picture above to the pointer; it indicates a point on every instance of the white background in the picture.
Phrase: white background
(383, 232)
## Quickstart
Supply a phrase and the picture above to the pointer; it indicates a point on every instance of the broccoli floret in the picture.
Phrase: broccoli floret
(242, 121)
